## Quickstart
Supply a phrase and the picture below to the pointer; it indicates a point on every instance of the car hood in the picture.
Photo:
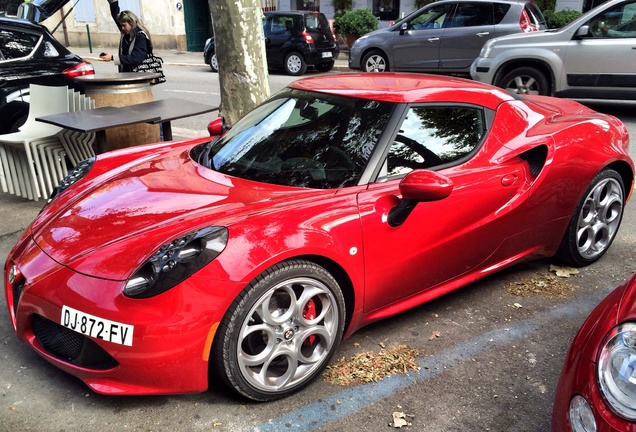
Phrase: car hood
(109, 223)
(39, 10)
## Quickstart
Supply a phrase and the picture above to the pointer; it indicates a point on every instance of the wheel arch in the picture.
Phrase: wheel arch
(540, 65)
(626, 173)
(341, 276)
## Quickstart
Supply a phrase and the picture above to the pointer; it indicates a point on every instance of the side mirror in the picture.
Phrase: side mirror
(582, 31)
(419, 186)
(404, 27)
(217, 127)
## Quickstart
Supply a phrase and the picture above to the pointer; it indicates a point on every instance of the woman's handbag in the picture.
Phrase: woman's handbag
(151, 64)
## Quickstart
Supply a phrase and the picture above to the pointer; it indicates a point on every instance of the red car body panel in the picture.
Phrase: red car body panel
(85, 245)
(579, 373)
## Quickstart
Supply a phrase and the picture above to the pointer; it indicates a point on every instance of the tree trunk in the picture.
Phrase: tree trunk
(240, 52)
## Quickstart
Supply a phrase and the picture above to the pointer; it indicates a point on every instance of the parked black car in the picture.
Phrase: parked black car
(29, 54)
(294, 40)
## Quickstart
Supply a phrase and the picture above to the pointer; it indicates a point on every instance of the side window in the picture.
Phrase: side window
(472, 15)
(16, 44)
(501, 9)
(618, 22)
(281, 24)
(433, 17)
(432, 136)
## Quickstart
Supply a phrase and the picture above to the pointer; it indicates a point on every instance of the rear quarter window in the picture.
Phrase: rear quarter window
(501, 9)
(16, 44)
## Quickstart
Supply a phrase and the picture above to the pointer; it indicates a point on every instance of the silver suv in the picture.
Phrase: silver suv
(443, 37)
(592, 57)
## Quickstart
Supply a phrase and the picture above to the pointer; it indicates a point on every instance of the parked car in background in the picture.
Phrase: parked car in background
(443, 37)
(294, 40)
(592, 57)
(29, 54)
(597, 387)
(342, 200)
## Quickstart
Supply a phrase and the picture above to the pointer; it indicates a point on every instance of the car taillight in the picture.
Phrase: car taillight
(83, 68)
(526, 24)
(308, 38)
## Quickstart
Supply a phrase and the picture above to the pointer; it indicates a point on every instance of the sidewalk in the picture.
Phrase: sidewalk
(186, 58)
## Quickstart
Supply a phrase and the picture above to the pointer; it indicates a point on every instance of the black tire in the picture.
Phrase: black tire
(214, 65)
(375, 61)
(595, 222)
(288, 323)
(295, 64)
(525, 80)
(324, 67)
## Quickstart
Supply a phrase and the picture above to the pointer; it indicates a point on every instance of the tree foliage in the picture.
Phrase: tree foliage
(359, 22)
(555, 20)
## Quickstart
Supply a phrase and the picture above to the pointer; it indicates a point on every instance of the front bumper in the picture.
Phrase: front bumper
(483, 70)
(171, 342)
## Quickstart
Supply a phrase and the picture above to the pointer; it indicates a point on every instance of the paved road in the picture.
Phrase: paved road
(492, 367)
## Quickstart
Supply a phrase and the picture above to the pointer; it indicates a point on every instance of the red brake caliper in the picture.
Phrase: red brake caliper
(309, 313)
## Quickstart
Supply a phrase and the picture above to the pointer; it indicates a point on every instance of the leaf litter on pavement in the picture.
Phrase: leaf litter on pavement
(548, 284)
(369, 367)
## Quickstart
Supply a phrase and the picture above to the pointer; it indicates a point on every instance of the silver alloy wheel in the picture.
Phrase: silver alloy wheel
(294, 63)
(213, 63)
(375, 63)
(599, 218)
(288, 334)
(524, 84)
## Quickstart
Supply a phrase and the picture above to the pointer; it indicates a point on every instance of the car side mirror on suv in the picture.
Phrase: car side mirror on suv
(404, 27)
(582, 31)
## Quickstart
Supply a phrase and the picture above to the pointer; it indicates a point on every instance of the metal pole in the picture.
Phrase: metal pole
(90, 46)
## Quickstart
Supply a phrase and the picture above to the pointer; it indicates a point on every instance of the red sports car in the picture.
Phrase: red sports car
(597, 387)
(342, 200)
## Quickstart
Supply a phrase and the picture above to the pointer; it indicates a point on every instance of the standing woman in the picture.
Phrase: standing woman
(135, 43)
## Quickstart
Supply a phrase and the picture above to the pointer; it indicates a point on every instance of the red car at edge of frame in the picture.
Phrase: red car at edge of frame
(342, 200)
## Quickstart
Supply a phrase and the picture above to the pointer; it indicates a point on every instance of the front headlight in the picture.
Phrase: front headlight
(617, 370)
(74, 175)
(176, 261)
(486, 49)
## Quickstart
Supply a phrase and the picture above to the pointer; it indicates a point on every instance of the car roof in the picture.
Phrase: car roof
(406, 88)
(20, 23)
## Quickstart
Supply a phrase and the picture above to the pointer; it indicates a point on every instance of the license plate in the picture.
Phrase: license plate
(327, 54)
(95, 327)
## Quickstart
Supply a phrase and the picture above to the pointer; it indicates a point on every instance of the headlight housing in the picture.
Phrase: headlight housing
(486, 49)
(76, 174)
(176, 261)
(617, 370)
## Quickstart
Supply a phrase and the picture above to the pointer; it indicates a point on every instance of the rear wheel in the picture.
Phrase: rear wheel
(525, 80)
(295, 64)
(281, 331)
(595, 222)
(324, 67)
(375, 61)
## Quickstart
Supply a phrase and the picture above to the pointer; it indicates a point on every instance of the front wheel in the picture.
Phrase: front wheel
(525, 80)
(281, 331)
(595, 222)
(295, 64)
(375, 61)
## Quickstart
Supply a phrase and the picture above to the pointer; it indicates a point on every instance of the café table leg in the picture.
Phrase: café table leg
(167, 131)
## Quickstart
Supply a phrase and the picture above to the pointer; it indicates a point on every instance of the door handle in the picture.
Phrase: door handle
(509, 179)
(482, 34)
(435, 39)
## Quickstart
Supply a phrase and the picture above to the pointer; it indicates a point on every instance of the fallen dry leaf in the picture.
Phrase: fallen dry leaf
(435, 335)
(565, 272)
(546, 284)
(399, 420)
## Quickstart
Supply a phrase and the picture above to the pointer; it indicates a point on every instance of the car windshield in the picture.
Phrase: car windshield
(301, 139)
